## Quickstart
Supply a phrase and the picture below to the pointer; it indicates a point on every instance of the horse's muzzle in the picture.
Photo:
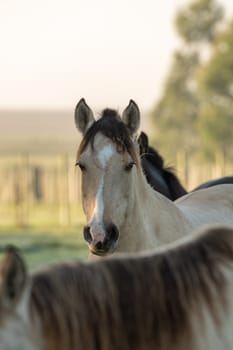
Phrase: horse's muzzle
(108, 245)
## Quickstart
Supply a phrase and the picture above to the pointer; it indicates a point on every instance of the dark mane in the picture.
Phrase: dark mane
(134, 302)
(110, 113)
(111, 126)
(175, 187)
(156, 172)
(148, 151)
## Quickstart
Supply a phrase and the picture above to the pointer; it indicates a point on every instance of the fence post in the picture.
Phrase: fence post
(18, 199)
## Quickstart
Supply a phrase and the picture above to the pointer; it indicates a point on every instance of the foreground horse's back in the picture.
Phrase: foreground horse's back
(178, 298)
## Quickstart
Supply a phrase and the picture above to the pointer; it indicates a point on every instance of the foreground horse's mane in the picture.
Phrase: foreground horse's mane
(111, 126)
(134, 302)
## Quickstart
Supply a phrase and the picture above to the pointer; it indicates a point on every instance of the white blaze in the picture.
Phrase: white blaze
(105, 154)
(103, 157)
(99, 203)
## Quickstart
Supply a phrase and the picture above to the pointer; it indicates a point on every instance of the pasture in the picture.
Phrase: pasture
(41, 247)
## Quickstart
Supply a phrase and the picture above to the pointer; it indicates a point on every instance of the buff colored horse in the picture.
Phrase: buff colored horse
(122, 211)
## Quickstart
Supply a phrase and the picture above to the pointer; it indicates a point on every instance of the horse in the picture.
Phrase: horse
(163, 179)
(177, 297)
(122, 211)
(215, 182)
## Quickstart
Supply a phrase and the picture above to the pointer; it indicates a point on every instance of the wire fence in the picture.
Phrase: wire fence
(34, 188)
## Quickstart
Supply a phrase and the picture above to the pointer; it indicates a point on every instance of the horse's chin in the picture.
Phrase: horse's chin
(98, 253)
(103, 252)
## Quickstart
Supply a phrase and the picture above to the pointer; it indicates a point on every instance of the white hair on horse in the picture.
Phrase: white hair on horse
(176, 298)
(122, 211)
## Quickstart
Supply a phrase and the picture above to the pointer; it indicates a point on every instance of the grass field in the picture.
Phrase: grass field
(43, 247)
(45, 231)
(44, 240)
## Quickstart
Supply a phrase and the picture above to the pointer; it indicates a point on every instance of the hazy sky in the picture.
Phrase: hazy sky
(53, 52)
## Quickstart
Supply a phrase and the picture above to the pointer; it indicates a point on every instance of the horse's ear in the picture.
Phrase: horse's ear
(13, 277)
(84, 117)
(143, 143)
(131, 117)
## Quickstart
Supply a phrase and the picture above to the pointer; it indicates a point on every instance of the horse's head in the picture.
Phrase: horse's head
(15, 324)
(107, 158)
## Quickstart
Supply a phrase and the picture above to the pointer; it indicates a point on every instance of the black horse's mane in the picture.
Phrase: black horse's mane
(155, 170)
(156, 161)
(149, 152)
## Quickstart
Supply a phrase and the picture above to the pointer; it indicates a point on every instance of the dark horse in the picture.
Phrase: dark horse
(163, 179)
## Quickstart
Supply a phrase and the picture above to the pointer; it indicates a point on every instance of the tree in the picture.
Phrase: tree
(198, 22)
(216, 88)
(176, 114)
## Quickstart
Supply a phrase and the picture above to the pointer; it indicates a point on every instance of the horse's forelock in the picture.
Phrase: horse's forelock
(110, 113)
(111, 126)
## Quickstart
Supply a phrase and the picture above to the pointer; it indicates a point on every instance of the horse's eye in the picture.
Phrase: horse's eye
(81, 166)
(129, 166)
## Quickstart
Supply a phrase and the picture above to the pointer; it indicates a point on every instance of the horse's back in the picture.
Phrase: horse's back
(222, 192)
(207, 206)
(215, 182)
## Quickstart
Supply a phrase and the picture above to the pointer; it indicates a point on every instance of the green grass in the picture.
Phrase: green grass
(41, 248)
(45, 237)
(40, 216)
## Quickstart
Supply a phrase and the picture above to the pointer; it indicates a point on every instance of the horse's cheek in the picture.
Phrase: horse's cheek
(87, 204)
(121, 203)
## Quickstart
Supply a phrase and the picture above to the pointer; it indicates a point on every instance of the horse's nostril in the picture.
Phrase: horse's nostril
(87, 234)
(99, 245)
(112, 232)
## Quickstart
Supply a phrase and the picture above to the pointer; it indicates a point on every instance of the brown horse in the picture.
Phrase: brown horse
(121, 208)
(179, 298)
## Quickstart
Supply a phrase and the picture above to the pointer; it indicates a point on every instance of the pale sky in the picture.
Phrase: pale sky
(53, 52)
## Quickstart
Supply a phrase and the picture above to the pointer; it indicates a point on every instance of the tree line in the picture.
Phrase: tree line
(195, 110)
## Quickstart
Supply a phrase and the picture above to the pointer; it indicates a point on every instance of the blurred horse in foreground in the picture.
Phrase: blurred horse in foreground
(179, 298)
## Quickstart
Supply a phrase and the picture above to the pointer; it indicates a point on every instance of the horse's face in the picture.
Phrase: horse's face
(107, 180)
(106, 184)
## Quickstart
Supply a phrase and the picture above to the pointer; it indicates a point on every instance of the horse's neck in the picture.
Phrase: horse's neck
(156, 219)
